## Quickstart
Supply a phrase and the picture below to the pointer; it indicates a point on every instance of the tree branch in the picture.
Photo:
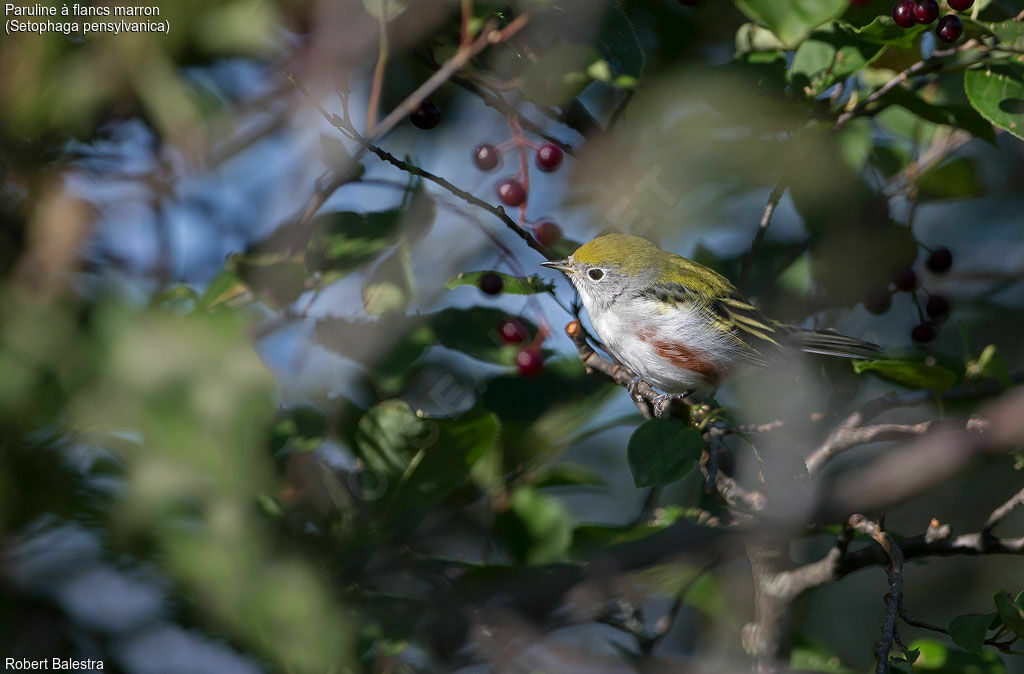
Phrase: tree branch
(894, 597)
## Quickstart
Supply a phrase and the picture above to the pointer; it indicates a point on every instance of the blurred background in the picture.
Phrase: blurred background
(259, 411)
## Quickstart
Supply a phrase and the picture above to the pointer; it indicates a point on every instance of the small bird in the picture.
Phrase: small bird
(677, 324)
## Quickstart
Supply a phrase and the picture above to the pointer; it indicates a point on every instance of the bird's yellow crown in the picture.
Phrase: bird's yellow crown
(633, 255)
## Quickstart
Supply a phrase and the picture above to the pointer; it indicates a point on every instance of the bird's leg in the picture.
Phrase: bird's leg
(662, 405)
(632, 386)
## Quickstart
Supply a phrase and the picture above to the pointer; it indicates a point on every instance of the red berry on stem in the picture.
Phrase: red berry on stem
(549, 157)
(937, 306)
(903, 13)
(547, 233)
(427, 116)
(923, 333)
(905, 280)
(491, 283)
(511, 192)
(529, 362)
(926, 11)
(878, 301)
(960, 5)
(940, 260)
(950, 28)
(512, 331)
(486, 156)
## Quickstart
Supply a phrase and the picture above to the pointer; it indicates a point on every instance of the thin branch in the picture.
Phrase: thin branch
(378, 70)
(1000, 513)
(766, 219)
(894, 597)
(845, 437)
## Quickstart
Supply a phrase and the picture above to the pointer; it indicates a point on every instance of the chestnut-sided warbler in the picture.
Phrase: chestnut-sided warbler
(677, 324)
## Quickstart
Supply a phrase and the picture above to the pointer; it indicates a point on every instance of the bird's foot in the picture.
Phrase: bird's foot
(662, 406)
(632, 387)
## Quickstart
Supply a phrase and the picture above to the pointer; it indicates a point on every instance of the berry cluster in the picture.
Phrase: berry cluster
(907, 13)
(906, 280)
(529, 360)
(512, 191)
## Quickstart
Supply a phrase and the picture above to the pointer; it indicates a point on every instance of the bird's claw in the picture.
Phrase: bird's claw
(632, 387)
(662, 405)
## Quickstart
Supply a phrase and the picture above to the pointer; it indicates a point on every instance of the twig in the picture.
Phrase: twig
(1000, 513)
(378, 70)
(844, 437)
(766, 219)
(894, 598)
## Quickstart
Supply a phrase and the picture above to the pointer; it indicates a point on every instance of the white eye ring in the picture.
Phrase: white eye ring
(596, 274)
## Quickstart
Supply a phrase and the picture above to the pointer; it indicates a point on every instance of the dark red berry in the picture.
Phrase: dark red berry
(491, 283)
(878, 301)
(926, 11)
(923, 333)
(486, 156)
(950, 28)
(511, 192)
(940, 260)
(905, 280)
(547, 233)
(903, 13)
(512, 331)
(960, 5)
(529, 362)
(937, 306)
(549, 157)
(427, 116)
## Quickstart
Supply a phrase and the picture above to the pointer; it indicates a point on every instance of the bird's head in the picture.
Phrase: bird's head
(610, 266)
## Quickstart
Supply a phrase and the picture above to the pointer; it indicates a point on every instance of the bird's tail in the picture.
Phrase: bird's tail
(831, 343)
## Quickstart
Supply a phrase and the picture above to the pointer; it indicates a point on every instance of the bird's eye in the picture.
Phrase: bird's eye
(596, 274)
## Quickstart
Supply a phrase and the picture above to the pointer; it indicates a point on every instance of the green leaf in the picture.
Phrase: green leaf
(334, 154)
(390, 286)
(474, 332)
(223, 287)
(909, 373)
(617, 43)
(968, 631)
(514, 285)
(560, 75)
(883, 30)
(997, 93)
(277, 282)
(855, 143)
(792, 20)
(938, 658)
(950, 113)
(419, 460)
(344, 240)
(567, 474)
(1011, 612)
(661, 451)
(830, 54)
(536, 528)
(957, 178)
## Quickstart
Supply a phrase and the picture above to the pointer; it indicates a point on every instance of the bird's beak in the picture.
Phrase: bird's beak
(561, 265)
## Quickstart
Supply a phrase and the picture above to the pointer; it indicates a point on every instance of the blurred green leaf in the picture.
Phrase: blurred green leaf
(514, 285)
(969, 631)
(661, 451)
(812, 656)
(855, 143)
(751, 37)
(1010, 611)
(274, 281)
(222, 288)
(883, 30)
(909, 373)
(792, 20)
(830, 54)
(957, 178)
(617, 43)
(567, 474)
(938, 658)
(474, 332)
(391, 285)
(997, 93)
(536, 529)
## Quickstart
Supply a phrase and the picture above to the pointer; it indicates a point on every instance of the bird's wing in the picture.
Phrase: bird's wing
(757, 336)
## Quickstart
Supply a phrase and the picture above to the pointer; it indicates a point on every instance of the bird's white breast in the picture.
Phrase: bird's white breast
(673, 348)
